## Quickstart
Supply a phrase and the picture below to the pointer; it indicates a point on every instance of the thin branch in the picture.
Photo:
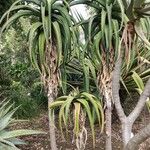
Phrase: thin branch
(115, 89)
(141, 103)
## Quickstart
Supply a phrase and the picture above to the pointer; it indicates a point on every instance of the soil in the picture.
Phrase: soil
(41, 142)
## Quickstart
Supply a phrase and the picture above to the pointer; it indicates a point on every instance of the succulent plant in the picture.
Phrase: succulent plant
(8, 138)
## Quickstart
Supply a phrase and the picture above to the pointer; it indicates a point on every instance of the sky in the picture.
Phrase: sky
(81, 9)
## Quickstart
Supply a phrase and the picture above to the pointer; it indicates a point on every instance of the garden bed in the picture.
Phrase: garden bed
(41, 142)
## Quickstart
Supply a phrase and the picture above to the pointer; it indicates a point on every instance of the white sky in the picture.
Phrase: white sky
(81, 9)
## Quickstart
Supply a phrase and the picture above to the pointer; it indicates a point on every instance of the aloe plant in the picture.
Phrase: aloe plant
(9, 138)
(76, 105)
(51, 38)
(117, 28)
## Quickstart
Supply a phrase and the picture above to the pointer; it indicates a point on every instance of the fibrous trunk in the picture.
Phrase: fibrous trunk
(105, 88)
(50, 77)
(107, 94)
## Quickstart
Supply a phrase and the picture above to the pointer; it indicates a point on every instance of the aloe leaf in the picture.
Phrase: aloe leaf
(16, 133)
(56, 104)
(42, 48)
(95, 106)
(59, 42)
(138, 81)
(6, 119)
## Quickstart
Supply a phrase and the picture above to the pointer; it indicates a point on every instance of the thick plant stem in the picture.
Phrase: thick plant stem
(108, 123)
(140, 137)
(126, 131)
(128, 121)
(51, 121)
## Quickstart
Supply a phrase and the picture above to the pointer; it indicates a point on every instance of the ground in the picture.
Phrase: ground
(41, 142)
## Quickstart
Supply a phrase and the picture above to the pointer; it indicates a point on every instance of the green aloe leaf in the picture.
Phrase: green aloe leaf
(16, 133)
(59, 42)
(138, 81)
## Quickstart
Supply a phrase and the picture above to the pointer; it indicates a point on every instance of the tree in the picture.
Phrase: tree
(127, 121)
(50, 42)
(102, 49)
(115, 29)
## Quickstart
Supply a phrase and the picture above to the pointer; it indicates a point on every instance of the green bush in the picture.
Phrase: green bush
(28, 100)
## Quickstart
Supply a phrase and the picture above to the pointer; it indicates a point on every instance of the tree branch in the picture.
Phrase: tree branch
(140, 137)
(137, 110)
(115, 89)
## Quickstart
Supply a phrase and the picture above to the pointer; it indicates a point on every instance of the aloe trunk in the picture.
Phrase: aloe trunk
(51, 96)
(105, 88)
(108, 115)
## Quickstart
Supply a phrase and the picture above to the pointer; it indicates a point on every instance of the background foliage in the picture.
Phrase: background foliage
(19, 81)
